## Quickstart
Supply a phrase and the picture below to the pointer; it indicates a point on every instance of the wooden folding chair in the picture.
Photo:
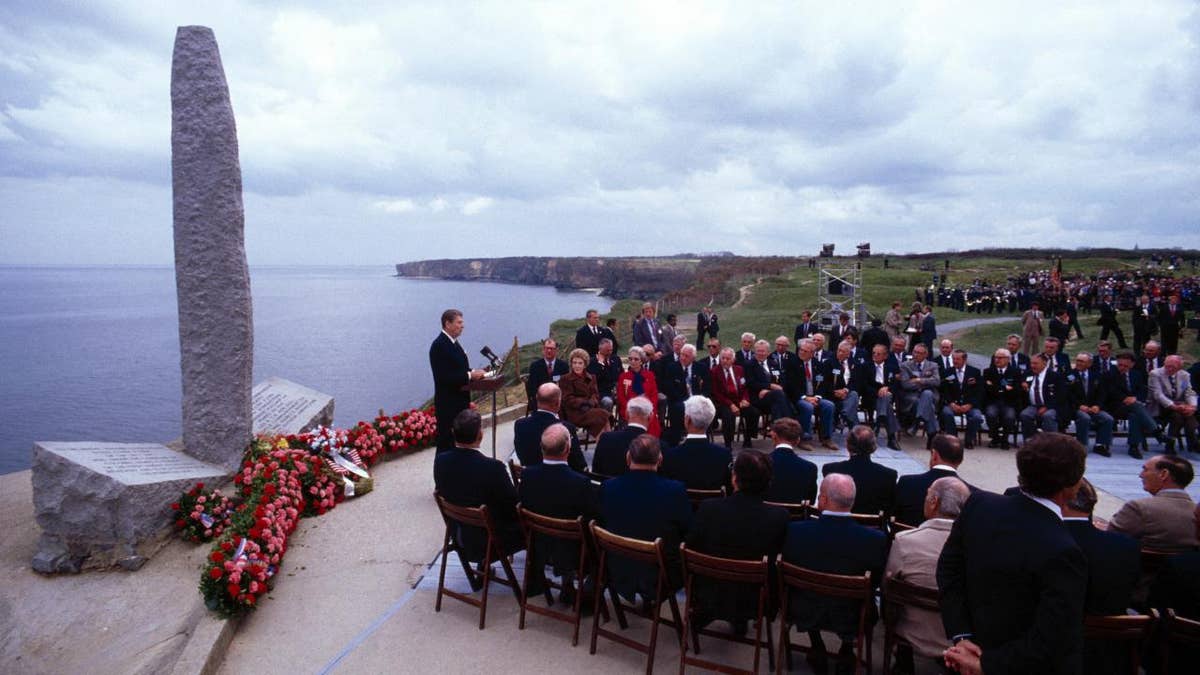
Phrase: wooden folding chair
(795, 511)
(697, 497)
(899, 595)
(1177, 631)
(1153, 560)
(650, 552)
(596, 477)
(876, 521)
(749, 572)
(515, 469)
(553, 528)
(478, 516)
(1131, 631)
(897, 526)
(849, 587)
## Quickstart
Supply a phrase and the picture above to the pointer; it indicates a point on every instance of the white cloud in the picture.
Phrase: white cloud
(477, 205)
(395, 205)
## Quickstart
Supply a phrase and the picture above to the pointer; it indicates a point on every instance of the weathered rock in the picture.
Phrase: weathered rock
(216, 329)
(105, 503)
(284, 407)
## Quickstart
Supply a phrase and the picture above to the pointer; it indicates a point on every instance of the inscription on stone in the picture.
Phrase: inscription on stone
(284, 407)
(133, 463)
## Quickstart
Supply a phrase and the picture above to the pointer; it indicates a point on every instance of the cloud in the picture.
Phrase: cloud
(757, 128)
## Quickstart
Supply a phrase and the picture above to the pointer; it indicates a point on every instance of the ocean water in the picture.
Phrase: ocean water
(92, 353)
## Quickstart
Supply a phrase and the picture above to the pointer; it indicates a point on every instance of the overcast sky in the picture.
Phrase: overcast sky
(381, 132)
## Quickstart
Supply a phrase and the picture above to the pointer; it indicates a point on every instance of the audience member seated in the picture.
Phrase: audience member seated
(1127, 392)
(643, 505)
(699, 464)
(1162, 521)
(1056, 361)
(914, 557)
(549, 368)
(527, 431)
(1085, 404)
(554, 489)
(919, 382)
(766, 395)
(745, 356)
(639, 381)
(1172, 399)
(609, 457)
(463, 476)
(962, 394)
(1019, 358)
(794, 478)
(811, 394)
(1002, 384)
(581, 397)
(1041, 389)
(834, 544)
(739, 526)
(843, 387)
(876, 382)
(732, 399)
(875, 484)
(681, 379)
(1150, 359)
(945, 456)
(606, 368)
(1178, 586)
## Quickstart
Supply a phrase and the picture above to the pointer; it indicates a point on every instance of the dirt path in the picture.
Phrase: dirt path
(745, 291)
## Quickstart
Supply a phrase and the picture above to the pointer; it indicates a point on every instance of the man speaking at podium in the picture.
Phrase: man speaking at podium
(451, 372)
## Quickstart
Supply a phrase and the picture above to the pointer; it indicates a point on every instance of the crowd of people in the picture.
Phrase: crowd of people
(1016, 572)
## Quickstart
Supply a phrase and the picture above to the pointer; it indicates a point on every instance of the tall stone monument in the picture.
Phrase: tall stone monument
(216, 325)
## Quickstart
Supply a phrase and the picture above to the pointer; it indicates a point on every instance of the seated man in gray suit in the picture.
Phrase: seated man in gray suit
(1162, 521)
(920, 379)
(1172, 398)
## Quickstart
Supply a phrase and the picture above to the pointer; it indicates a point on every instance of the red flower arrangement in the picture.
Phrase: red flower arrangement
(201, 516)
(407, 431)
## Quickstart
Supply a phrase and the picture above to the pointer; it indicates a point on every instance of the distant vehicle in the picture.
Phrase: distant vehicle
(864, 249)
(826, 250)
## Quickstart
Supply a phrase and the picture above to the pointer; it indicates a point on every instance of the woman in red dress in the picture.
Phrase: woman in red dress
(638, 381)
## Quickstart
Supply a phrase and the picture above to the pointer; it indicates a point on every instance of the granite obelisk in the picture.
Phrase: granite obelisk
(216, 325)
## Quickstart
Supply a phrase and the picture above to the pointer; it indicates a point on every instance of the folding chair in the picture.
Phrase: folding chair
(553, 528)
(1177, 631)
(1131, 631)
(795, 511)
(650, 552)
(467, 516)
(848, 587)
(876, 521)
(749, 572)
(697, 497)
(899, 595)
(515, 469)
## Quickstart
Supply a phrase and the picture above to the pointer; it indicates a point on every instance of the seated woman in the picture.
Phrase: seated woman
(638, 381)
(580, 397)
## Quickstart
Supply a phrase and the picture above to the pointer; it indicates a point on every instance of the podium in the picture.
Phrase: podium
(492, 384)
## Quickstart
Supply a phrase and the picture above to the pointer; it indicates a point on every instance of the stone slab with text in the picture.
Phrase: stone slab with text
(100, 504)
(283, 407)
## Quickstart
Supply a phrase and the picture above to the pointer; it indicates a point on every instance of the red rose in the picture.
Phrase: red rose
(217, 557)
(216, 572)
(233, 589)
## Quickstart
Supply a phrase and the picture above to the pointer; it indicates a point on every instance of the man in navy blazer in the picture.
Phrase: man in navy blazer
(765, 395)
(527, 431)
(1041, 396)
(836, 544)
(451, 372)
(549, 368)
(554, 489)
(698, 463)
(1085, 404)
(1019, 358)
(643, 505)
(1114, 559)
(1056, 360)
(945, 456)
(794, 479)
(962, 394)
(875, 484)
(463, 476)
(1127, 392)
(1013, 580)
(805, 328)
(876, 383)
(609, 458)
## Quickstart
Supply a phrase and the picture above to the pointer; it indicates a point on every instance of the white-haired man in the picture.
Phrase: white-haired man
(701, 465)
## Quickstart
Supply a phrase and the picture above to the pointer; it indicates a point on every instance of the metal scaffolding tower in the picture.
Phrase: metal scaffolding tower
(839, 289)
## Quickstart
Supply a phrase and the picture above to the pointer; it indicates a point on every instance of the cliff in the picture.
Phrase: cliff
(618, 277)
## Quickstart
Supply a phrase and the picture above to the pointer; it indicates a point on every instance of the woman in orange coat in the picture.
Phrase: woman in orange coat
(581, 398)
(638, 381)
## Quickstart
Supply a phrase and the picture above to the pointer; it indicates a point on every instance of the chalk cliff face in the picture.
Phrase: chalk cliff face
(618, 277)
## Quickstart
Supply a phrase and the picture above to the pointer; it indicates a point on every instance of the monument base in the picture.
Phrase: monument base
(102, 504)
(279, 406)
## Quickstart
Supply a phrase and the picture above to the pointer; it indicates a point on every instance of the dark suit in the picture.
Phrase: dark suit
(1145, 324)
(1051, 401)
(1021, 361)
(775, 401)
(464, 477)
(557, 491)
(742, 527)
(1013, 578)
(1092, 395)
(678, 382)
(875, 484)
(1059, 329)
(706, 324)
(1178, 586)
(740, 358)
(1119, 387)
(451, 372)
(929, 331)
(648, 332)
(527, 439)
(609, 456)
(1170, 322)
(804, 330)
(606, 376)
(968, 391)
(1108, 322)
(1002, 403)
(1060, 363)
(793, 480)
(871, 337)
(1114, 566)
(698, 464)
(837, 545)
(910, 494)
(644, 505)
(540, 374)
(588, 341)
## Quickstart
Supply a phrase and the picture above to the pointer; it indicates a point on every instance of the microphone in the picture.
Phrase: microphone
(490, 355)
